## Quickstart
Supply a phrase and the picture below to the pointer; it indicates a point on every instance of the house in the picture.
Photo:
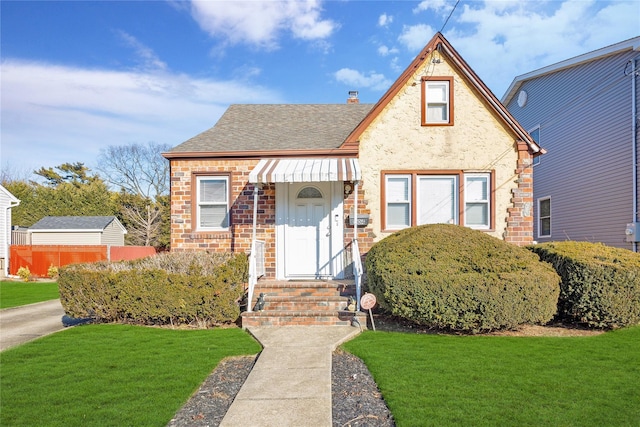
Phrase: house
(7, 201)
(290, 183)
(584, 111)
(78, 230)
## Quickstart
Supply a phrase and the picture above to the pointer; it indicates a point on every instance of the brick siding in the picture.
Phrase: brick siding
(520, 220)
(237, 238)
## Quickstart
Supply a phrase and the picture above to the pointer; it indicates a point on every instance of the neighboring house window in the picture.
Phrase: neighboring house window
(417, 198)
(212, 202)
(544, 217)
(437, 101)
(535, 134)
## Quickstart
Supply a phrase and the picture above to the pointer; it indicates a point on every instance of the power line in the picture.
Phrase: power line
(451, 13)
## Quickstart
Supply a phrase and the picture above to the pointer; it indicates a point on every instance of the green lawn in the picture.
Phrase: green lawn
(13, 294)
(431, 380)
(110, 375)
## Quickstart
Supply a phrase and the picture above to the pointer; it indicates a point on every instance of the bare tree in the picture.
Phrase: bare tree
(139, 171)
(136, 168)
(10, 172)
(145, 225)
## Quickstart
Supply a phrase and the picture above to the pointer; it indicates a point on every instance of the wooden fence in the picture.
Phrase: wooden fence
(38, 258)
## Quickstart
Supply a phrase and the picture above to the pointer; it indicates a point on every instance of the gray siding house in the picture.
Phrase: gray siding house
(584, 111)
(7, 201)
(78, 230)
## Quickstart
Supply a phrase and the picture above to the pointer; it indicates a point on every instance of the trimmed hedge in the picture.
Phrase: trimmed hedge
(452, 277)
(600, 284)
(176, 288)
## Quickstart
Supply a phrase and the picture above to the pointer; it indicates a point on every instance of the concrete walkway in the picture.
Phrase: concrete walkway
(290, 384)
(28, 322)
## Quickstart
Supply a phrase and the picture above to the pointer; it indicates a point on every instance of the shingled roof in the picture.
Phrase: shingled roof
(246, 128)
(84, 223)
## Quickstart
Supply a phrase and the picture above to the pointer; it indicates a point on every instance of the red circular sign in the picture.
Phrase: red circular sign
(368, 301)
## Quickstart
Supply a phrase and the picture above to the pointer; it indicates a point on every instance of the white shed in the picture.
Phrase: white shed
(78, 230)
(7, 201)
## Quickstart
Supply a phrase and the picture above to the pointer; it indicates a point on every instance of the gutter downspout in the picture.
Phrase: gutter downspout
(6, 226)
(252, 257)
(634, 143)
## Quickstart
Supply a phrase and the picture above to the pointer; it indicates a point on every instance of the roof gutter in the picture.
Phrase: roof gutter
(334, 152)
(65, 230)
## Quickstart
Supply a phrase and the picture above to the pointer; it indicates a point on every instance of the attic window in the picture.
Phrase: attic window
(437, 101)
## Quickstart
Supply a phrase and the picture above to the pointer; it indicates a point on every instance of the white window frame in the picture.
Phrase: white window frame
(440, 103)
(486, 201)
(397, 200)
(200, 203)
(461, 197)
(446, 103)
(540, 217)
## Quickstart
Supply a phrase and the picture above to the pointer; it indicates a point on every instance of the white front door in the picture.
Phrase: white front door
(308, 231)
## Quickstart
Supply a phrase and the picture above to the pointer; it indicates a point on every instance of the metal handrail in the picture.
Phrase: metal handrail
(260, 244)
(256, 268)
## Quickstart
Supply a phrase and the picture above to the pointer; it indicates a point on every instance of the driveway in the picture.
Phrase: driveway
(21, 324)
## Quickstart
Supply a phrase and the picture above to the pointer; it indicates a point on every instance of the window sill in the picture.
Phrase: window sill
(211, 234)
(438, 124)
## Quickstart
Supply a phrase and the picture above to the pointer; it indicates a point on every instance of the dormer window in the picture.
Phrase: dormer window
(437, 101)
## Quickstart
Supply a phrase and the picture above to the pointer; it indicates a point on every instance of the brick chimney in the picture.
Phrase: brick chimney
(353, 97)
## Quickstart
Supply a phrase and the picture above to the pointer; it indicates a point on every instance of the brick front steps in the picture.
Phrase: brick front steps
(289, 303)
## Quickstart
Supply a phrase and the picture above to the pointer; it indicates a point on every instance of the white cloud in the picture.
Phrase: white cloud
(384, 20)
(260, 23)
(358, 80)
(53, 114)
(146, 56)
(415, 37)
(386, 51)
(438, 6)
(395, 65)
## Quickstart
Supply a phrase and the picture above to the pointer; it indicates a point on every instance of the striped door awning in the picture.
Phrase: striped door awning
(305, 170)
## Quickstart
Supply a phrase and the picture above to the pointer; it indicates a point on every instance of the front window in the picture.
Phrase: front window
(544, 217)
(437, 101)
(398, 196)
(476, 197)
(213, 202)
(437, 199)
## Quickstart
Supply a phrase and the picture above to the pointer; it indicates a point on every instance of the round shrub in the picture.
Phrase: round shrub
(452, 277)
(600, 284)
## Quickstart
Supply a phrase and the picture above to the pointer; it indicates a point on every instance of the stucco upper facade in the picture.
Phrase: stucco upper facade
(477, 142)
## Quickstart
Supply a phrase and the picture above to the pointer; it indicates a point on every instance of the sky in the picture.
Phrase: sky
(79, 76)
